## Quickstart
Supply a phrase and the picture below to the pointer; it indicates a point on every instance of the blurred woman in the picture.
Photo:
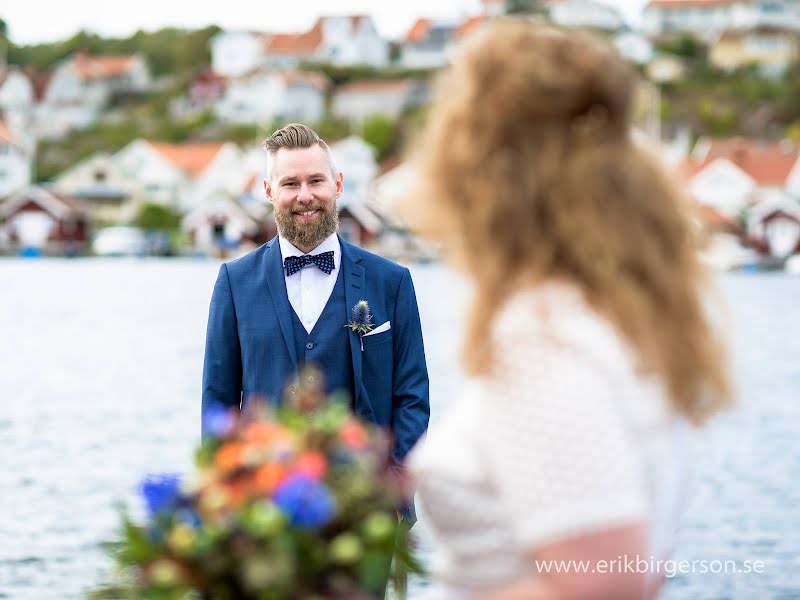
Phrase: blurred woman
(588, 344)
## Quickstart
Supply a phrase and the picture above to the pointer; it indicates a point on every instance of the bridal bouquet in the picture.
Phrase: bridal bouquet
(286, 503)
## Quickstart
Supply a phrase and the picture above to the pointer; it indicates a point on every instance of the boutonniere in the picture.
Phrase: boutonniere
(361, 322)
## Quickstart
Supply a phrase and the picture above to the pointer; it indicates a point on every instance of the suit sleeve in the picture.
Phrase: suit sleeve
(222, 366)
(410, 402)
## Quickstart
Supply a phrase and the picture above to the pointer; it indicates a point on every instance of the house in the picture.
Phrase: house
(634, 46)
(358, 224)
(109, 194)
(17, 94)
(730, 174)
(425, 44)
(37, 220)
(16, 160)
(339, 40)
(180, 175)
(264, 96)
(342, 41)
(234, 53)
(773, 225)
(723, 240)
(708, 18)
(222, 225)
(772, 50)
(359, 100)
(207, 86)
(82, 85)
(356, 158)
(585, 13)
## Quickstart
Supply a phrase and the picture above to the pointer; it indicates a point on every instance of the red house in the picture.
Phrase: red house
(38, 220)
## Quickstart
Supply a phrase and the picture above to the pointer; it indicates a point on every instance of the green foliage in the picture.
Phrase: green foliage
(167, 51)
(717, 120)
(517, 7)
(334, 129)
(381, 133)
(157, 217)
(685, 45)
(339, 75)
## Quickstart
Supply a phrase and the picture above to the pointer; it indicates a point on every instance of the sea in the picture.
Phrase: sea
(100, 369)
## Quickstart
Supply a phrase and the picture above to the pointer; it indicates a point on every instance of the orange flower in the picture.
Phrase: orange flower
(262, 433)
(354, 435)
(313, 464)
(267, 477)
(238, 492)
(230, 455)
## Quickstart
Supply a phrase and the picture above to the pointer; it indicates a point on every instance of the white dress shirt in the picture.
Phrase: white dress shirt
(310, 288)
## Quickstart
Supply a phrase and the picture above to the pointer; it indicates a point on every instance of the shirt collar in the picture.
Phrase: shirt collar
(329, 243)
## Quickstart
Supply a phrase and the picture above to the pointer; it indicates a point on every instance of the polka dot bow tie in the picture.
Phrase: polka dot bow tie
(324, 261)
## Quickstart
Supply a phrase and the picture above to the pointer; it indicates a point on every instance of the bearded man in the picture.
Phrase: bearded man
(288, 304)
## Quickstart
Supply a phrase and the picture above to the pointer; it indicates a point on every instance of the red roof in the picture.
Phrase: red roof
(312, 78)
(101, 67)
(5, 134)
(191, 157)
(295, 43)
(419, 30)
(469, 26)
(769, 163)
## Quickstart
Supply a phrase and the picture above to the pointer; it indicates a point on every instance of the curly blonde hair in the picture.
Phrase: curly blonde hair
(527, 172)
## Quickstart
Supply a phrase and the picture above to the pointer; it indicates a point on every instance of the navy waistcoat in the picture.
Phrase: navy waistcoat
(327, 347)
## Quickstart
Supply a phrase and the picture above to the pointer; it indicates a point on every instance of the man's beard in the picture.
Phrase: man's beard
(307, 234)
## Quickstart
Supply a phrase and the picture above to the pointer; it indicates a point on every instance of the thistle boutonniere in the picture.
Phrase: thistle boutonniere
(361, 321)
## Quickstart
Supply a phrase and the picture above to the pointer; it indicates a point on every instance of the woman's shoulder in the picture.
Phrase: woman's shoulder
(558, 314)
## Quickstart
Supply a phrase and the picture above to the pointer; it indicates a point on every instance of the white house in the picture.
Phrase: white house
(774, 223)
(425, 44)
(264, 96)
(585, 13)
(356, 159)
(732, 175)
(708, 18)
(16, 161)
(234, 53)
(110, 194)
(634, 46)
(180, 175)
(358, 100)
(341, 40)
(82, 85)
(16, 91)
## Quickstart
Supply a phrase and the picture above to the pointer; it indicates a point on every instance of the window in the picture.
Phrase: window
(100, 176)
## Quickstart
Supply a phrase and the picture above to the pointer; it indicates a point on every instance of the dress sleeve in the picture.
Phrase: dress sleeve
(558, 452)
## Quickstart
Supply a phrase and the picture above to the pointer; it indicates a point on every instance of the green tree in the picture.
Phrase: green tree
(381, 133)
(156, 217)
(525, 7)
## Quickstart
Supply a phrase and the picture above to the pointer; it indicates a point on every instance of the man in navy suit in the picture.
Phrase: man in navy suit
(288, 303)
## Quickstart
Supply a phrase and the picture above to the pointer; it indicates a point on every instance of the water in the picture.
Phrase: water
(100, 366)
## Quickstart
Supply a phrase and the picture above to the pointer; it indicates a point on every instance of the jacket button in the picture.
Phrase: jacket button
(292, 390)
(310, 345)
(311, 379)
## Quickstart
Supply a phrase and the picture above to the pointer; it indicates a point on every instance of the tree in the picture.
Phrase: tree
(381, 133)
(156, 217)
(525, 7)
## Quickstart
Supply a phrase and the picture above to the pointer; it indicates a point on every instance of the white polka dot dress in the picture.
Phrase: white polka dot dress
(563, 438)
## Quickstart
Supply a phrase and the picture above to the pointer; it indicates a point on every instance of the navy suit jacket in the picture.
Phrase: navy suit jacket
(250, 347)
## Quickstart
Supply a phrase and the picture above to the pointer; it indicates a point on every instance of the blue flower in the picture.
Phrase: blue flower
(218, 420)
(305, 502)
(160, 492)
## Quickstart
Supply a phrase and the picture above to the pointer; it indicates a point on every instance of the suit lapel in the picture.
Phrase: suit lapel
(354, 286)
(276, 283)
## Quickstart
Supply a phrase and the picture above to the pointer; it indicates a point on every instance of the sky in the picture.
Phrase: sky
(35, 21)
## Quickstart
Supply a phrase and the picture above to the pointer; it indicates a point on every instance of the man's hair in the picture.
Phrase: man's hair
(292, 137)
